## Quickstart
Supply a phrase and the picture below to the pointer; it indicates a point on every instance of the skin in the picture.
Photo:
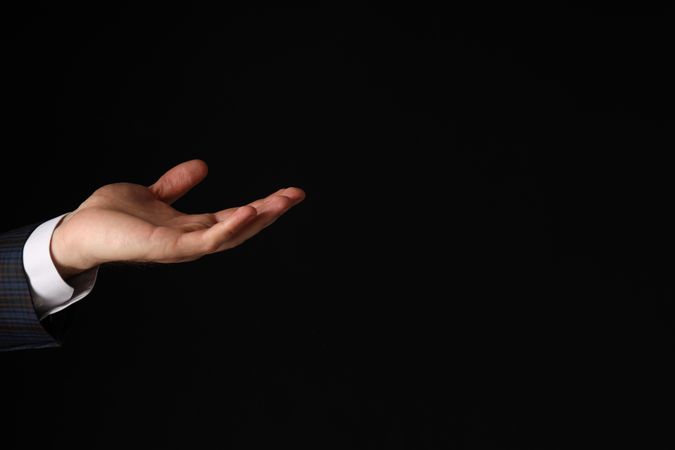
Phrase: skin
(126, 222)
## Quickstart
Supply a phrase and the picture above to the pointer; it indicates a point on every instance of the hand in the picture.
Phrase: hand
(130, 222)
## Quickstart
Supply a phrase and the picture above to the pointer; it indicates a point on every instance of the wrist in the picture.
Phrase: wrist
(65, 255)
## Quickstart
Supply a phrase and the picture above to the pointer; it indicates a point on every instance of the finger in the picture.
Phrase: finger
(269, 211)
(179, 180)
(294, 194)
(225, 213)
(267, 215)
(202, 242)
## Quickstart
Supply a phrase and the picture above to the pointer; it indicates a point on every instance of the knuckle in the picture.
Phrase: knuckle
(228, 234)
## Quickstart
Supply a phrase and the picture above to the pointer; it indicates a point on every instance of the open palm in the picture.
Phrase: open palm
(130, 222)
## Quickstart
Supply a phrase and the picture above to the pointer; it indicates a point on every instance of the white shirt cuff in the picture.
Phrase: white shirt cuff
(50, 292)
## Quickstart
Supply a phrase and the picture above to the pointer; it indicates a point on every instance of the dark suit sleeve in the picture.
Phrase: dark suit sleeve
(20, 327)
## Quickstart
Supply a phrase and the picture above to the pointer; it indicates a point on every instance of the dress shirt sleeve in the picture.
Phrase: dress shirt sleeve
(50, 292)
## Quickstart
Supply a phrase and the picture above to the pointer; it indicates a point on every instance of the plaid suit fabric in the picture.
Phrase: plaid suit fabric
(20, 327)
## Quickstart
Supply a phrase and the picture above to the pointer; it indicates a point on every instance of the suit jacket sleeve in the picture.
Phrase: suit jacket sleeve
(20, 327)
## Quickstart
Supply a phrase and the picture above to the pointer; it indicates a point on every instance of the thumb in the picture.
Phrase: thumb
(178, 181)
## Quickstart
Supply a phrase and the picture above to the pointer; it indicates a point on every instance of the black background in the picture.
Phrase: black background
(483, 259)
